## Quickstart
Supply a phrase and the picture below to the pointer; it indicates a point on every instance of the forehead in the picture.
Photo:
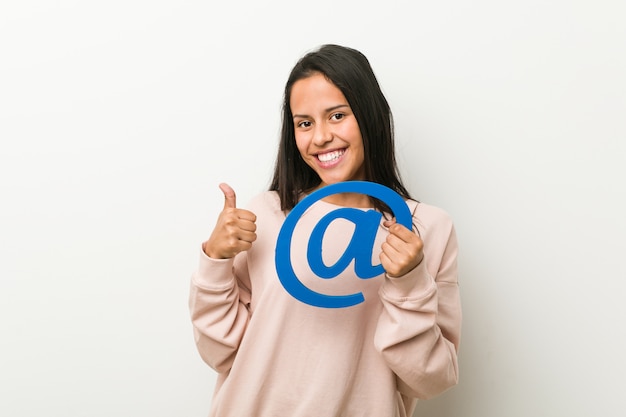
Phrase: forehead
(315, 91)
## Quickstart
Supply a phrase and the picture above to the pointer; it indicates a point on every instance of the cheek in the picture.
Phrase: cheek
(301, 144)
(352, 133)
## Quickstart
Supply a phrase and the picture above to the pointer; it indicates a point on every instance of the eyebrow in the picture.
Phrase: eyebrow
(328, 110)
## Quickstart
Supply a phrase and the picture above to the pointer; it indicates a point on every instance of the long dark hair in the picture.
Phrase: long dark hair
(350, 71)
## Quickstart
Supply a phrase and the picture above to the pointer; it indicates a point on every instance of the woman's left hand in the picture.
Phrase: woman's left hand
(402, 251)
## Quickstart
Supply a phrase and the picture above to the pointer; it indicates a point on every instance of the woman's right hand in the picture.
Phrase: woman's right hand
(234, 231)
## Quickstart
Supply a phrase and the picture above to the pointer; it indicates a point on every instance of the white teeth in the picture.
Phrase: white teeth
(330, 156)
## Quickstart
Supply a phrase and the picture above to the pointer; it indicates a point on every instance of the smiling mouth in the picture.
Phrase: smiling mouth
(330, 157)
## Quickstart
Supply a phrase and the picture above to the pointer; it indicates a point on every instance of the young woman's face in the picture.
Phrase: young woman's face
(327, 133)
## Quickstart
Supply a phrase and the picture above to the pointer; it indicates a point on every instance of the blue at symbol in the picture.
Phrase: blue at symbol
(360, 247)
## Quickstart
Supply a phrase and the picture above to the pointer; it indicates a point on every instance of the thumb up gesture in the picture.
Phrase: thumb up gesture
(234, 231)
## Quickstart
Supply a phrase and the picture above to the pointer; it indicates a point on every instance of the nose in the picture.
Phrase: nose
(323, 134)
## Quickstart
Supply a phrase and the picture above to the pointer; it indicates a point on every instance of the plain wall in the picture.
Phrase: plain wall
(119, 119)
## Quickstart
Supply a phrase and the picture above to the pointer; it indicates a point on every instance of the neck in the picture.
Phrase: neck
(355, 200)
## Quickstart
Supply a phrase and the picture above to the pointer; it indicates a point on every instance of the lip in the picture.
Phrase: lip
(332, 162)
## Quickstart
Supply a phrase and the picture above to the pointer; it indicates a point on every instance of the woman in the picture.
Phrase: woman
(277, 356)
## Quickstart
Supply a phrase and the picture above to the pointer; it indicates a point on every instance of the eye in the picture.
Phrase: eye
(303, 124)
(337, 116)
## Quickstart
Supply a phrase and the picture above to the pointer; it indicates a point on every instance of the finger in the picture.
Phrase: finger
(235, 247)
(388, 260)
(384, 261)
(390, 251)
(230, 199)
(244, 246)
(246, 215)
(395, 242)
(398, 262)
(404, 242)
(402, 232)
(389, 223)
(247, 225)
(245, 236)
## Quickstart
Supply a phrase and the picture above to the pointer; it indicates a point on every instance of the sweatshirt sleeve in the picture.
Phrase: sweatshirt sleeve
(219, 307)
(419, 328)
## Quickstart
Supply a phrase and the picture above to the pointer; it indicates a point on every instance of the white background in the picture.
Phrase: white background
(118, 120)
